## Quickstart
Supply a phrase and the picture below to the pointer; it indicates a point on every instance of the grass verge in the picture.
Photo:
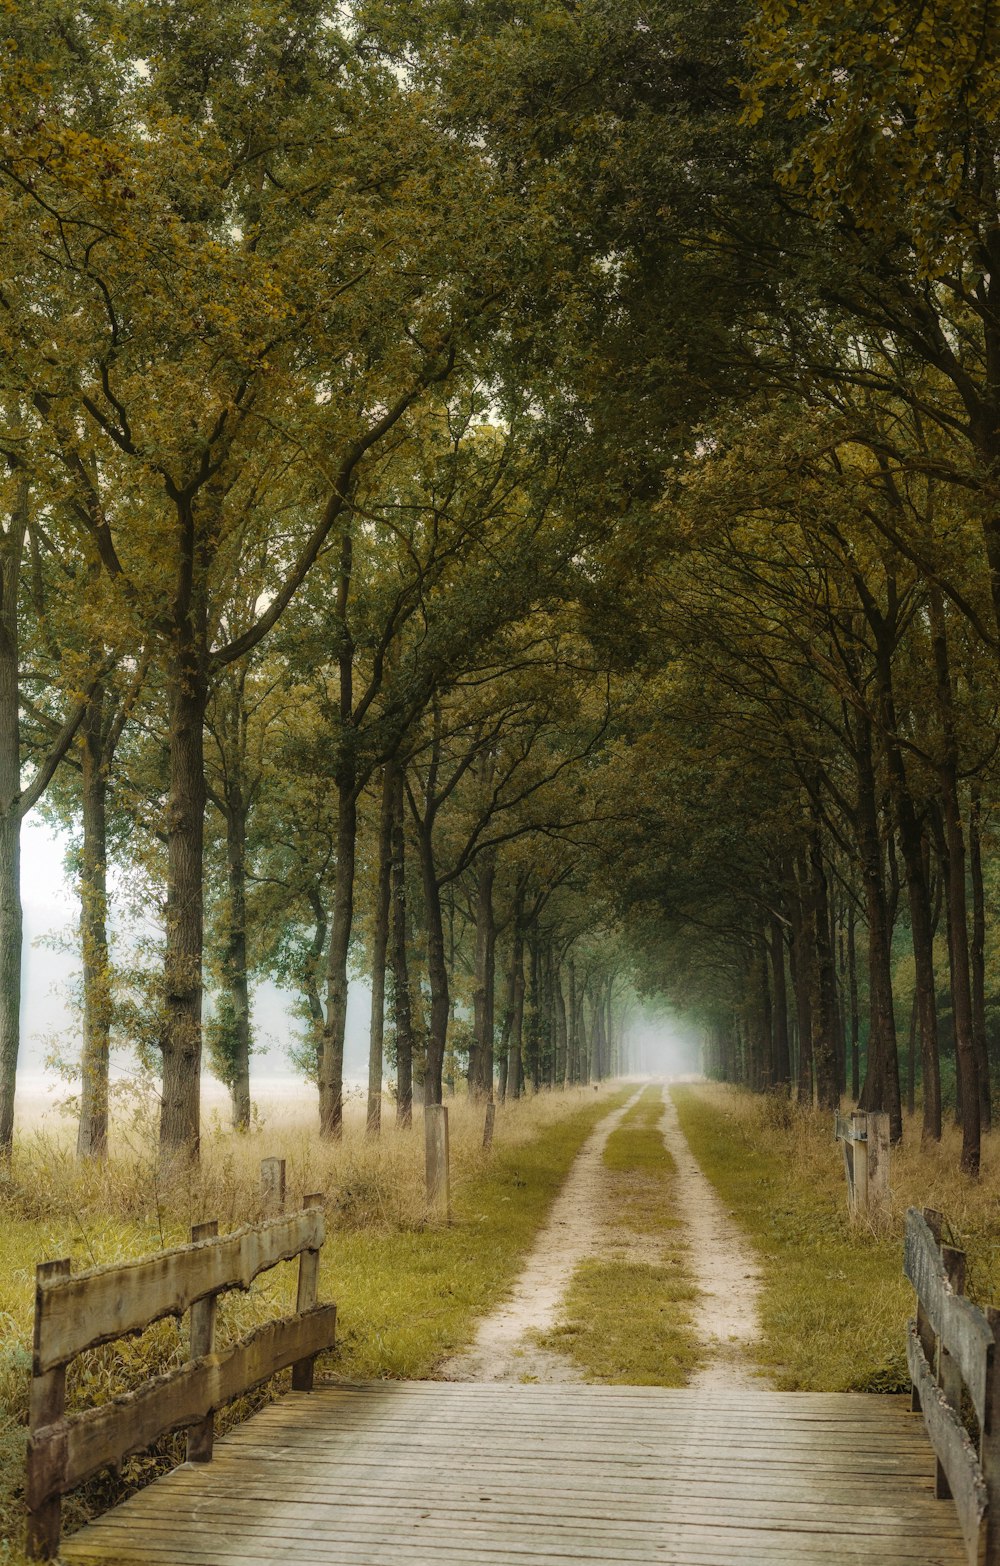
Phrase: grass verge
(627, 1314)
(833, 1300)
(407, 1293)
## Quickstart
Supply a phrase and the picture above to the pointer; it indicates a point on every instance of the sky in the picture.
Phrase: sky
(51, 966)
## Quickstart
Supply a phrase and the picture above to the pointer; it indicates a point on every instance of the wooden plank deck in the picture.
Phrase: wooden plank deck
(451, 1474)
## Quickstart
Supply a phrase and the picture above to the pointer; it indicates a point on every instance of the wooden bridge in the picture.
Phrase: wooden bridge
(465, 1474)
(442, 1474)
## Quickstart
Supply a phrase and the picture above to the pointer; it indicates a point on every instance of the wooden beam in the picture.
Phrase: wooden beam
(104, 1303)
(961, 1326)
(955, 1452)
(203, 1312)
(62, 1455)
(46, 1406)
(302, 1371)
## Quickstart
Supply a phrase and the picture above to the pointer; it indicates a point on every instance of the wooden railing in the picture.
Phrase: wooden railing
(73, 1314)
(951, 1346)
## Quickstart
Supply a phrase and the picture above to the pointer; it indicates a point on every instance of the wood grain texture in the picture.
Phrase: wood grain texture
(61, 1456)
(955, 1452)
(440, 1474)
(962, 1327)
(105, 1303)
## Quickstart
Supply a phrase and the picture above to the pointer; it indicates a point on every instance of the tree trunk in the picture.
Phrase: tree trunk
(331, 1059)
(235, 962)
(573, 1022)
(310, 977)
(978, 957)
(11, 917)
(562, 1051)
(765, 1009)
(782, 1061)
(597, 1033)
(380, 944)
(92, 1133)
(823, 1000)
(481, 1081)
(532, 1020)
(852, 982)
(802, 961)
(515, 1074)
(955, 889)
(400, 969)
(584, 1042)
(911, 1057)
(881, 1086)
(187, 695)
(918, 896)
(437, 970)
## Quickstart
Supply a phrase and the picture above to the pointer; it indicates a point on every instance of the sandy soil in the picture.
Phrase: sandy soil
(722, 1265)
(581, 1226)
(504, 1348)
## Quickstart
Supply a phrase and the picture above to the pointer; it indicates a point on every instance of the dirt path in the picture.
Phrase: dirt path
(722, 1265)
(504, 1348)
(717, 1256)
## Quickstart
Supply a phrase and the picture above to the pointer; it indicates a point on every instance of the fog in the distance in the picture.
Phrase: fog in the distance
(664, 1044)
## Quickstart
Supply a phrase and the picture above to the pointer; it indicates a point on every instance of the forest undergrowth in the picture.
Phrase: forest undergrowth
(834, 1302)
(408, 1290)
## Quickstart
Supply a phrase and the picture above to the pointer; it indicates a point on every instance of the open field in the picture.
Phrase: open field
(834, 1301)
(408, 1293)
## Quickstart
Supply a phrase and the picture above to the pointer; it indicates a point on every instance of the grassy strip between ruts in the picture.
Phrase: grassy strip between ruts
(407, 1294)
(833, 1301)
(627, 1317)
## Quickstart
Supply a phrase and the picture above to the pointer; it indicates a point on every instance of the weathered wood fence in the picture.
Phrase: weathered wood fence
(73, 1314)
(952, 1357)
(865, 1140)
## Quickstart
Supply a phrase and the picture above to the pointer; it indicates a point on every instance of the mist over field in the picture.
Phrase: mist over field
(50, 1022)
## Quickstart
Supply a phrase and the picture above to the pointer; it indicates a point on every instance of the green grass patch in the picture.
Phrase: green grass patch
(636, 1144)
(833, 1301)
(626, 1320)
(628, 1323)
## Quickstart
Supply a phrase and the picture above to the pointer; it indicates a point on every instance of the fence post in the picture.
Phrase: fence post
(859, 1124)
(305, 1299)
(47, 1404)
(878, 1161)
(436, 1159)
(202, 1435)
(272, 1186)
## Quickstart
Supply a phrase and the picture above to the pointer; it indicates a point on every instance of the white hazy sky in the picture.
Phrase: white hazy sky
(51, 913)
